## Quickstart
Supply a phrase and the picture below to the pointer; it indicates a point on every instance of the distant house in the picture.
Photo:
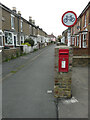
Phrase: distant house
(64, 38)
(52, 37)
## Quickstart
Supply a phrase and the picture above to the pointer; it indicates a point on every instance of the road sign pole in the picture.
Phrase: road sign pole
(69, 36)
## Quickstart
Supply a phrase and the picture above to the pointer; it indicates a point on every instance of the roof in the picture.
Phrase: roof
(85, 9)
(52, 36)
(17, 15)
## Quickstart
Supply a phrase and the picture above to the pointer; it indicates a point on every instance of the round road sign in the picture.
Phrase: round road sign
(69, 19)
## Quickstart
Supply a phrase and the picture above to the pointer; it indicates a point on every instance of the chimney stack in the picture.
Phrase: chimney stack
(33, 21)
(19, 13)
(30, 19)
(14, 9)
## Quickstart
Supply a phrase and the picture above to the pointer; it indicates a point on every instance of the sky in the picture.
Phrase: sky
(47, 13)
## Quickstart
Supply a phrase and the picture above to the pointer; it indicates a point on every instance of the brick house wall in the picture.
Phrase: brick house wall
(6, 23)
(12, 34)
(26, 28)
(81, 29)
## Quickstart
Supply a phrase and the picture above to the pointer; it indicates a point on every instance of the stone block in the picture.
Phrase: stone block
(63, 80)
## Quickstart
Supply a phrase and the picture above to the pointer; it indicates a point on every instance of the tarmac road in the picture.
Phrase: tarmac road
(25, 90)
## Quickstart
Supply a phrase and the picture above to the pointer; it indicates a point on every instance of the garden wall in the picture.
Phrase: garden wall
(81, 57)
(10, 53)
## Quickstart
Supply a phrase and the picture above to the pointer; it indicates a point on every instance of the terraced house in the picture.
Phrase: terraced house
(80, 32)
(15, 29)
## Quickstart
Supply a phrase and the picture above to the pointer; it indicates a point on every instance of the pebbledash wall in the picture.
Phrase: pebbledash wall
(62, 87)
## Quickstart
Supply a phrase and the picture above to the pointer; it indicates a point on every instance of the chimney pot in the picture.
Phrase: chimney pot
(19, 13)
(33, 21)
(30, 19)
(14, 9)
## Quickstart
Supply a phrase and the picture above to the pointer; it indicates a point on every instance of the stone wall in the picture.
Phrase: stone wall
(10, 53)
(62, 88)
(81, 61)
(81, 57)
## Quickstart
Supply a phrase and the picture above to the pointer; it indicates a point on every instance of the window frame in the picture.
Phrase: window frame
(21, 25)
(12, 20)
(84, 40)
(12, 38)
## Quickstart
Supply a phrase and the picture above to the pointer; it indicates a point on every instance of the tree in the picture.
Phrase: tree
(59, 38)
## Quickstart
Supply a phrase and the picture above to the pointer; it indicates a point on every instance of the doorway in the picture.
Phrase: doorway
(1, 44)
(14, 41)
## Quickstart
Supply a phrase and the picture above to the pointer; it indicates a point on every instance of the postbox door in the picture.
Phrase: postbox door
(63, 65)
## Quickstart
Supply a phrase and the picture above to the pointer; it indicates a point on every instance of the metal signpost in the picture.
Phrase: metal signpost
(69, 19)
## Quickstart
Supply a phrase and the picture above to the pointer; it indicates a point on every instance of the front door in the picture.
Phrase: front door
(14, 41)
(1, 44)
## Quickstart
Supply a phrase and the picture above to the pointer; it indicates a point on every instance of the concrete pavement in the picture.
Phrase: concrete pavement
(77, 107)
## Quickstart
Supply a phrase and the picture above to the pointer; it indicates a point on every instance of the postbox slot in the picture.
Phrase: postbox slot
(63, 53)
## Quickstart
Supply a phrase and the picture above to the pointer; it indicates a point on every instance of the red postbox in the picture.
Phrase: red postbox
(63, 60)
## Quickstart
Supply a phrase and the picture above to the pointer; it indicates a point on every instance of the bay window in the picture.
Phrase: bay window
(8, 38)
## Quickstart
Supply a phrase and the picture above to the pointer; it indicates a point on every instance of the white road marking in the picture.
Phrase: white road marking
(49, 91)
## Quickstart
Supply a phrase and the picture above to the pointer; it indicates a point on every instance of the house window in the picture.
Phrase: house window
(21, 26)
(34, 31)
(12, 21)
(84, 40)
(85, 20)
(8, 38)
(72, 40)
(89, 16)
(30, 29)
(80, 41)
(77, 40)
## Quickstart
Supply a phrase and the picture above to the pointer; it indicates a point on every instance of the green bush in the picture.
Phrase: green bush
(7, 59)
(30, 41)
(35, 49)
(13, 57)
(26, 44)
(17, 54)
